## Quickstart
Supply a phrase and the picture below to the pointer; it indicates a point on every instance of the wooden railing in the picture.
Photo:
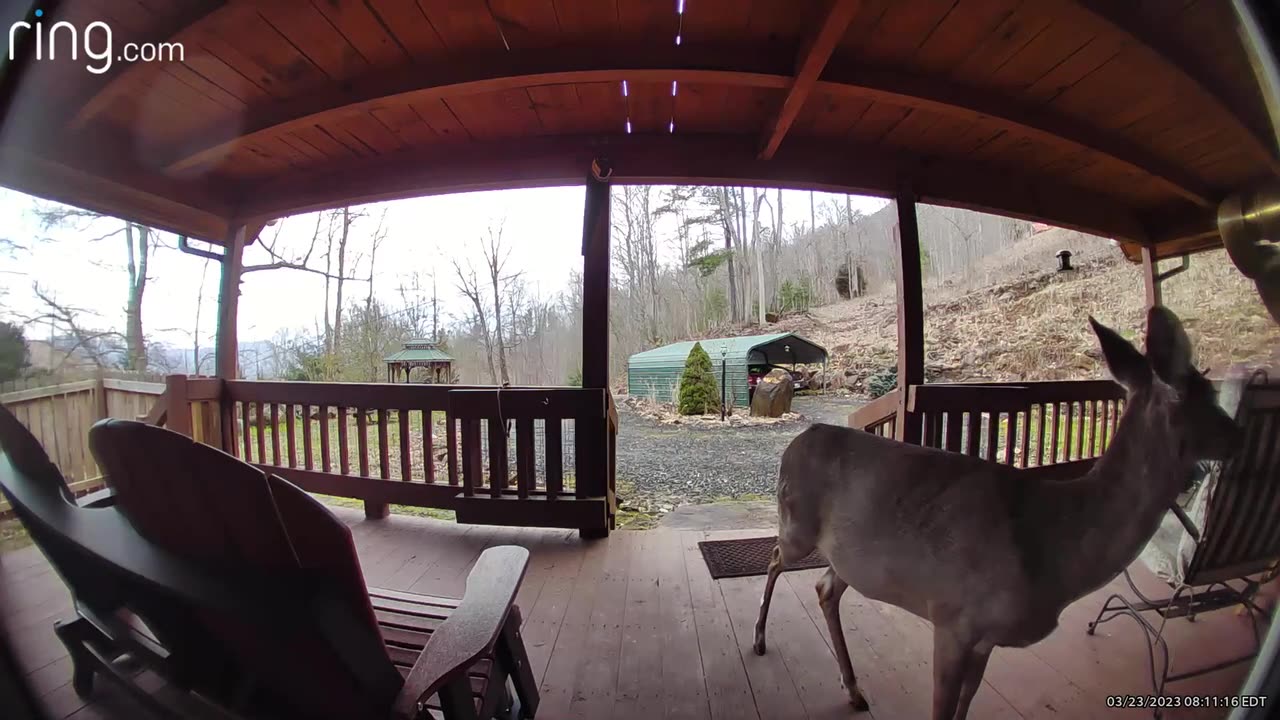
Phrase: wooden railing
(1027, 425)
(511, 456)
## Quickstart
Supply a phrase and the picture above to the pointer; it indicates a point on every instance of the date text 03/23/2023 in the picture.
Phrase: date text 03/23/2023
(1186, 701)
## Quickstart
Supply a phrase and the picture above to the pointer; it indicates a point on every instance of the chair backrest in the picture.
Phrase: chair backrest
(37, 480)
(1240, 534)
(227, 517)
(115, 577)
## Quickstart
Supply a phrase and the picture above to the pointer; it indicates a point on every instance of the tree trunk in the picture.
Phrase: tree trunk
(756, 198)
(135, 342)
(342, 271)
(727, 221)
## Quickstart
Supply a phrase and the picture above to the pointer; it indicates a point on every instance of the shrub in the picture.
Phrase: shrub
(883, 381)
(698, 392)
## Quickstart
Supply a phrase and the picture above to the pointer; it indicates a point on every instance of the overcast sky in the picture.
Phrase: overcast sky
(543, 228)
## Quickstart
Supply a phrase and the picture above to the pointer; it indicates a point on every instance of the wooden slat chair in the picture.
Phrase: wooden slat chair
(1225, 545)
(115, 577)
(398, 654)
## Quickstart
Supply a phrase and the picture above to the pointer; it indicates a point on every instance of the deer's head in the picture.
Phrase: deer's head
(1164, 385)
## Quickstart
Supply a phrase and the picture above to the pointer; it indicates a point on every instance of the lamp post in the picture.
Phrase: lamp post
(724, 355)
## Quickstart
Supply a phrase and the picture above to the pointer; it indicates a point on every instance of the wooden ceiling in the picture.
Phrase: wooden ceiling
(1128, 119)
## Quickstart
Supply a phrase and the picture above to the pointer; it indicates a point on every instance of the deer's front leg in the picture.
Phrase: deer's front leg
(951, 656)
(975, 666)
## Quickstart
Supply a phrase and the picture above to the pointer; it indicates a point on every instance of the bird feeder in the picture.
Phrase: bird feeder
(1064, 260)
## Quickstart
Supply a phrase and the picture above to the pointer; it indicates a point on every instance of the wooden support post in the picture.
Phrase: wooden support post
(100, 408)
(228, 302)
(910, 315)
(1151, 277)
(179, 416)
(591, 435)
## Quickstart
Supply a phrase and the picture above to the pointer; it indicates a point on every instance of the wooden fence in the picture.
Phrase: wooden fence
(60, 417)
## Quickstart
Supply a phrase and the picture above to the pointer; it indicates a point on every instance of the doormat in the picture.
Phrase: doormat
(749, 556)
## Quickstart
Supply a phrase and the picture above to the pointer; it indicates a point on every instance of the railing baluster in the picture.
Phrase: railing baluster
(290, 441)
(525, 480)
(428, 449)
(971, 439)
(406, 464)
(955, 420)
(245, 431)
(262, 439)
(307, 462)
(498, 475)
(993, 428)
(451, 447)
(275, 434)
(1037, 437)
(1073, 432)
(553, 450)
(1024, 425)
(344, 459)
(362, 441)
(1010, 432)
(325, 462)
(470, 455)
(384, 459)
(1055, 428)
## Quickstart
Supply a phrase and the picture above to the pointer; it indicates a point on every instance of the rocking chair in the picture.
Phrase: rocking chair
(1218, 551)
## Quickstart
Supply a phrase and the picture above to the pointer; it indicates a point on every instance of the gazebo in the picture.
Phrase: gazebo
(420, 354)
(1150, 123)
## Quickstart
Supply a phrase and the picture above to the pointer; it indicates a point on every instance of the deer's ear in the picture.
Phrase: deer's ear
(1127, 365)
(1168, 347)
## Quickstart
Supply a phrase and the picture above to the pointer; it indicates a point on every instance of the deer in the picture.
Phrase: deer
(990, 556)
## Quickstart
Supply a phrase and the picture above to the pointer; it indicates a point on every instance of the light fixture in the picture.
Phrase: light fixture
(679, 7)
(628, 126)
(677, 40)
(673, 88)
(624, 88)
(671, 128)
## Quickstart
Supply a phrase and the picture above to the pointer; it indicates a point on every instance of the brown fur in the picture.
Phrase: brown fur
(989, 557)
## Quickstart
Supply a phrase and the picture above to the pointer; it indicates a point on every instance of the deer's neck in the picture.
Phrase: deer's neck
(1105, 518)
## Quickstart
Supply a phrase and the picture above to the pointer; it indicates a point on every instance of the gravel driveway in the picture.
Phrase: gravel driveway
(663, 466)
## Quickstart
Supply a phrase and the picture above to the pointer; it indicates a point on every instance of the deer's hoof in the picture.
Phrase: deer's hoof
(858, 701)
(758, 646)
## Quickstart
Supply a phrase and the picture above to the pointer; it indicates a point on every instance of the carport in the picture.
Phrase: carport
(655, 374)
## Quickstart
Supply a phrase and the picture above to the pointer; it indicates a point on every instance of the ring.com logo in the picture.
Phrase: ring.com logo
(96, 41)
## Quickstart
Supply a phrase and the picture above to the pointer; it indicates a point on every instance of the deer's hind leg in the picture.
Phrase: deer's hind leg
(775, 569)
(830, 589)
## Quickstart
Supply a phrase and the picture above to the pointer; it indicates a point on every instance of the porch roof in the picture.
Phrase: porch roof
(1123, 119)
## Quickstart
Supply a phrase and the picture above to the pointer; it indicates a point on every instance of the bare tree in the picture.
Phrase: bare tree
(469, 286)
(66, 321)
(139, 244)
(495, 258)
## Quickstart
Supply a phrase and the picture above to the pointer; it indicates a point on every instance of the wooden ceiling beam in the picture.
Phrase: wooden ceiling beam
(812, 59)
(108, 86)
(948, 97)
(714, 65)
(480, 74)
(1125, 18)
(698, 159)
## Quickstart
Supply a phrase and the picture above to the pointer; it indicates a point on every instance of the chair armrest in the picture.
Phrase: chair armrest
(471, 631)
(106, 497)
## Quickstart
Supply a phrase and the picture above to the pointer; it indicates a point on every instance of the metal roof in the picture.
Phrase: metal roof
(734, 348)
(419, 351)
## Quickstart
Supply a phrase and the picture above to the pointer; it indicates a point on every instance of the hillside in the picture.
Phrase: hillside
(1026, 321)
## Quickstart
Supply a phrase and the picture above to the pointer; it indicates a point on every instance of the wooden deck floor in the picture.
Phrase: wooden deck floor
(635, 628)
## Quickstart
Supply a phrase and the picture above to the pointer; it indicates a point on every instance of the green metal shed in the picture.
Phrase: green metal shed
(656, 373)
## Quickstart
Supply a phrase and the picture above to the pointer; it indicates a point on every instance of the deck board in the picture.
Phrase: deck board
(634, 627)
